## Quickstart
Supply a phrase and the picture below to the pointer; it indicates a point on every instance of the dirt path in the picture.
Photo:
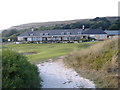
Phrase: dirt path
(56, 75)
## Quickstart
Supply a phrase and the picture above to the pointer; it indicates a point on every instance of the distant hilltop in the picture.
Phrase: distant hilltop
(47, 24)
(39, 24)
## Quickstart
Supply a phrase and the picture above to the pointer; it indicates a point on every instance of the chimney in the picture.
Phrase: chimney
(32, 29)
(83, 27)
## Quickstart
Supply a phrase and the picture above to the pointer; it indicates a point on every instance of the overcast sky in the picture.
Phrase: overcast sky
(16, 12)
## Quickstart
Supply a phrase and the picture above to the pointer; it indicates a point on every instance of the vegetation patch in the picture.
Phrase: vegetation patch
(40, 52)
(98, 63)
(17, 72)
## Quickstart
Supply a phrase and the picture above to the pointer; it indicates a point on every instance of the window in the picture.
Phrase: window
(92, 35)
(68, 38)
(65, 38)
(46, 33)
(68, 33)
(41, 33)
(79, 33)
(34, 39)
(31, 34)
(62, 33)
(101, 36)
(29, 39)
(75, 38)
(52, 38)
(40, 38)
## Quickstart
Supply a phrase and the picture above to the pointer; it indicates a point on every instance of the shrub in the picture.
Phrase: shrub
(17, 72)
(84, 40)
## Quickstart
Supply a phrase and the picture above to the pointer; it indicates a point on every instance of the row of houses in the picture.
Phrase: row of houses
(65, 35)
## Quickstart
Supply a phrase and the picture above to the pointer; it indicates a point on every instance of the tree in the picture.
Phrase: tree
(7, 33)
(113, 27)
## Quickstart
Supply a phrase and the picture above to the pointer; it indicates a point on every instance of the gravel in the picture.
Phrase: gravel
(56, 75)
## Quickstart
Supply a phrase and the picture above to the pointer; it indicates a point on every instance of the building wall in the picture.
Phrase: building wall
(99, 36)
(113, 36)
(52, 38)
(20, 38)
(62, 38)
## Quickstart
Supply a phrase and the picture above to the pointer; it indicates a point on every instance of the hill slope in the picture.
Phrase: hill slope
(98, 63)
(36, 25)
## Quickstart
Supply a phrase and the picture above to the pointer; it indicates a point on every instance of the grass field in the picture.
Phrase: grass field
(47, 51)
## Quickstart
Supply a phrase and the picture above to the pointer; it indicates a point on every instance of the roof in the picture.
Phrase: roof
(113, 32)
(52, 32)
(94, 31)
(65, 31)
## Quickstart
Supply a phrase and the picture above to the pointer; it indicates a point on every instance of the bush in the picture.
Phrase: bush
(18, 72)
(84, 40)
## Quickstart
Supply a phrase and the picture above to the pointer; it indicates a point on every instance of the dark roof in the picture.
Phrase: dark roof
(94, 31)
(25, 34)
(113, 32)
(65, 31)
(52, 32)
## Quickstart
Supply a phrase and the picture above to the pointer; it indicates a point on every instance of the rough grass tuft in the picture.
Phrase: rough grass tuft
(101, 57)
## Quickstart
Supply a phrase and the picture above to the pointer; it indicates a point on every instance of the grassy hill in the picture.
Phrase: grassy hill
(47, 24)
(98, 63)
(39, 24)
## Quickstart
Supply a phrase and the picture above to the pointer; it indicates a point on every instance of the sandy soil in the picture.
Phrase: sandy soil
(56, 75)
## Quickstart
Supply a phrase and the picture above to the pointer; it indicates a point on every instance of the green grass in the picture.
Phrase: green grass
(47, 51)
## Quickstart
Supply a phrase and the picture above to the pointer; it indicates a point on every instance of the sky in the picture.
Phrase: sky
(16, 12)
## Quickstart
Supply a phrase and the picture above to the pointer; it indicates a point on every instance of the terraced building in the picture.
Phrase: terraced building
(62, 36)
